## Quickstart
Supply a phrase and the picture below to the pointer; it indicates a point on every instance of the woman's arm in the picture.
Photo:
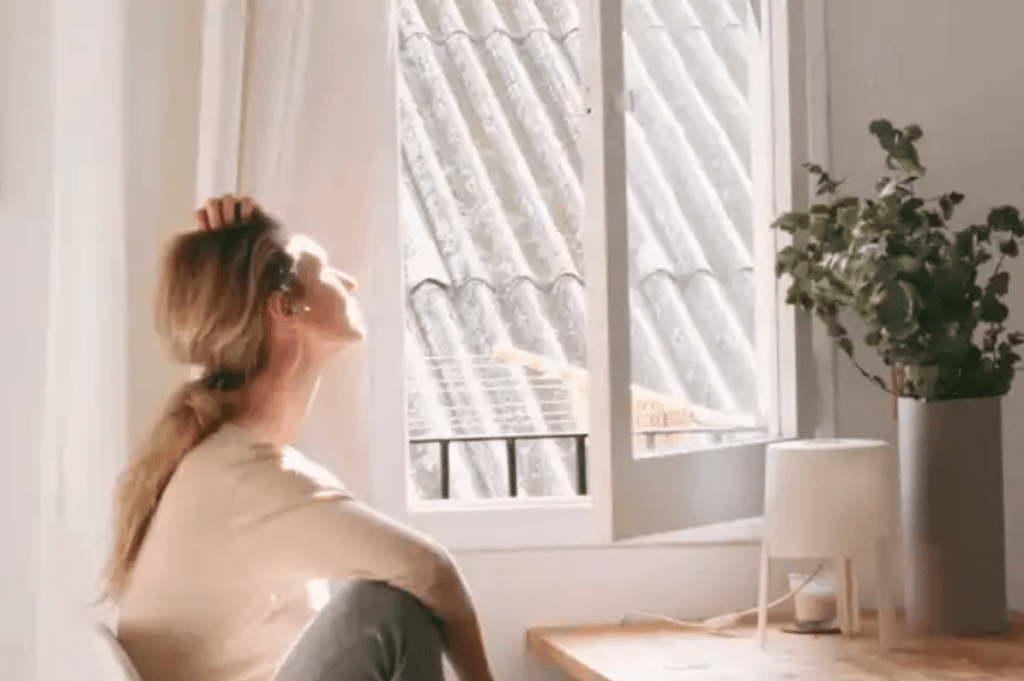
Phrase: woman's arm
(462, 636)
(465, 647)
(295, 526)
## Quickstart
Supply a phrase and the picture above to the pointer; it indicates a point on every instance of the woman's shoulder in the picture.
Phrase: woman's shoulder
(287, 469)
(267, 479)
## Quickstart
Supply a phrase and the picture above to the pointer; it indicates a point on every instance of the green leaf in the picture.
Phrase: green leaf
(826, 185)
(1006, 219)
(847, 345)
(999, 284)
(947, 207)
(793, 222)
(883, 130)
(895, 309)
(993, 311)
(913, 204)
(848, 216)
(889, 188)
(951, 344)
(964, 241)
(835, 329)
(1009, 248)
(933, 218)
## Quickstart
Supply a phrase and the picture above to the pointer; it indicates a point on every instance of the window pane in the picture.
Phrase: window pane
(690, 195)
(492, 207)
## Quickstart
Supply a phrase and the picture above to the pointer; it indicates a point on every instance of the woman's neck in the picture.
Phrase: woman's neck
(276, 403)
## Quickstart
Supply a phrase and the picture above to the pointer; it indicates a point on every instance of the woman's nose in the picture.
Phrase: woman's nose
(347, 281)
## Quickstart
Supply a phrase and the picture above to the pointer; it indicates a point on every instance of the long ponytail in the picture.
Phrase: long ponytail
(210, 307)
(195, 411)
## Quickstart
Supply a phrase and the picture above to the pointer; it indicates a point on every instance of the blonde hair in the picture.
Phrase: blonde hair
(210, 307)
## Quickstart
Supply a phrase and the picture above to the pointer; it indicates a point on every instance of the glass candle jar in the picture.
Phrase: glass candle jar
(815, 603)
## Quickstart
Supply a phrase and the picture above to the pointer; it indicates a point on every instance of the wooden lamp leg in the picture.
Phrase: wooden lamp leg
(854, 596)
(843, 595)
(762, 597)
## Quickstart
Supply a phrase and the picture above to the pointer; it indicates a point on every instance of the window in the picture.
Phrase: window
(551, 229)
(490, 111)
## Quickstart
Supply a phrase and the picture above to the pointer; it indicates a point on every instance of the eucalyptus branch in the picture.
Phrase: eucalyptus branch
(909, 276)
(874, 379)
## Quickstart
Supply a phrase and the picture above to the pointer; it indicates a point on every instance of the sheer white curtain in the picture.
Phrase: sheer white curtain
(298, 130)
(84, 408)
(305, 130)
(85, 398)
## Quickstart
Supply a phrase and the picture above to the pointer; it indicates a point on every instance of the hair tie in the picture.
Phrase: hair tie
(223, 380)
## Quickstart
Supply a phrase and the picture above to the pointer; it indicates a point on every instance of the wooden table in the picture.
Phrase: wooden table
(661, 652)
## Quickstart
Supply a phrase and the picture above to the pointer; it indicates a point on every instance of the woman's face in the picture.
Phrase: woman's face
(328, 312)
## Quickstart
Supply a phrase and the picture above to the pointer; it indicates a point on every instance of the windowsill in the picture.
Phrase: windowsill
(743, 531)
(747, 531)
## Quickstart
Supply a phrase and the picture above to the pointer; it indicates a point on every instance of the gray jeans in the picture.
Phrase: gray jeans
(367, 632)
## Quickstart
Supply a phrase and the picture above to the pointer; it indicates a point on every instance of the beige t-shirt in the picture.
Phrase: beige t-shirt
(242, 544)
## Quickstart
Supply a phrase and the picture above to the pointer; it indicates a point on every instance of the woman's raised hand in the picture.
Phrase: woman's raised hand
(223, 211)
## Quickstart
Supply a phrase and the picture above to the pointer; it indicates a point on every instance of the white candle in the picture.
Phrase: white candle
(815, 603)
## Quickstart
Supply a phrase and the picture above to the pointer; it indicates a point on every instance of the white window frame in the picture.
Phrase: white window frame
(794, 47)
(507, 523)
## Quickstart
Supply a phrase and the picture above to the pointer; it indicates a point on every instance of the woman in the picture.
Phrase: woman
(223, 529)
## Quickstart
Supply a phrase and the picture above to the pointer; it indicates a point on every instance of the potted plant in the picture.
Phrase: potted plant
(928, 298)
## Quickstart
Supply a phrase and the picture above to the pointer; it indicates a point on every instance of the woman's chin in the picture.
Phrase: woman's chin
(353, 335)
(356, 331)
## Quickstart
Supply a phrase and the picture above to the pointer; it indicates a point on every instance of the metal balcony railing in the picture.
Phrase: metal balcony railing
(580, 447)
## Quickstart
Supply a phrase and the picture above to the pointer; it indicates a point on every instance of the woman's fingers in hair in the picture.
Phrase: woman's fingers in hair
(215, 212)
(230, 210)
(246, 207)
(202, 223)
(223, 211)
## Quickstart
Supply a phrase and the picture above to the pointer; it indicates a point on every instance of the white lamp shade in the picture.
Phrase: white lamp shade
(828, 497)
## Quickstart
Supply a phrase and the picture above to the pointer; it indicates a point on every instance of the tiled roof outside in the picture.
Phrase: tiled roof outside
(492, 207)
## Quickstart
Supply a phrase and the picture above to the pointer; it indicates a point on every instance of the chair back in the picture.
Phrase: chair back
(115, 664)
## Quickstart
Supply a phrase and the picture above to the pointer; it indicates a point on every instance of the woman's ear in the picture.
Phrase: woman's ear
(280, 306)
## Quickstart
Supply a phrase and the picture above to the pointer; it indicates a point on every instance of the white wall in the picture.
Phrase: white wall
(973, 144)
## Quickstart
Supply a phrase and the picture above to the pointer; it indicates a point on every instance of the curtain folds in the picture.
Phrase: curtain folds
(317, 120)
(85, 397)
